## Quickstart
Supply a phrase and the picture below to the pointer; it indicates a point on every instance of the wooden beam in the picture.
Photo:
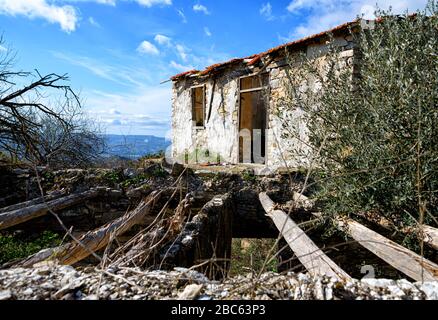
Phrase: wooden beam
(430, 234)
(14, 217)
(211, 100)
(402, 259)
(48, 197)
(95, 240)
(313, 259)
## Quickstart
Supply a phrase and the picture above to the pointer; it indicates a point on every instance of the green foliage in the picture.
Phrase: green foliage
(12, 247)
(248, 176)
(375, 134)
(48, 178)
(133, 181)
(117, 176)
(199, 156)
(154, 155)
(159, 172)
(113, 176)
(251, 257)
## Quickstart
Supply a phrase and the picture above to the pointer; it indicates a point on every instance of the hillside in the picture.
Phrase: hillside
(134, 146)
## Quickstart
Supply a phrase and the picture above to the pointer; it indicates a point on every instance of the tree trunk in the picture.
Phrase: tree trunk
(14, 217)
(92, 241)
(52, 196)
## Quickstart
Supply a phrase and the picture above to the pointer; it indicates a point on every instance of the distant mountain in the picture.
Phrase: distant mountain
(134, 146)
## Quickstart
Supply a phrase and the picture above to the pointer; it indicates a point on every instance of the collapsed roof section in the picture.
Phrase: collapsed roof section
(253, 60)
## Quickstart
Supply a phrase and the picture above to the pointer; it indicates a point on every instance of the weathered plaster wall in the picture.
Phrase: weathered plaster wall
(293, 151)
(221, 130)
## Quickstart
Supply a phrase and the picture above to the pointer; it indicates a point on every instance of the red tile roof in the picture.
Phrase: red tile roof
(257, 57)
(183, 74)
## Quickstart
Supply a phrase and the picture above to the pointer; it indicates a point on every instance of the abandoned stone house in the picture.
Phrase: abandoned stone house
(220, 112)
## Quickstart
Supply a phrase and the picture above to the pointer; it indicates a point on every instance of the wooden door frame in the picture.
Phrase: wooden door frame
(239, 107)
(204, 103)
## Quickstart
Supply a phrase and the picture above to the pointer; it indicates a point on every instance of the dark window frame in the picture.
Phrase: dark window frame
(193, 106)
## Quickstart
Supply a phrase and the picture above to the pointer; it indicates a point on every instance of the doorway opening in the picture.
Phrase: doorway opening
(252, 118)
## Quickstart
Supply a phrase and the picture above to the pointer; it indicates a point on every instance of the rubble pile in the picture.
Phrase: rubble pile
(55, 282)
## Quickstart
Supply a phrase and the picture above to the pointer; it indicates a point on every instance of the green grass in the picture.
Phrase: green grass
(249, 176)
(245, 259)
(13, 247)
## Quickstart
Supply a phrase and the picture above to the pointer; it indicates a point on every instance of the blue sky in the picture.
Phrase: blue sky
(118, 51)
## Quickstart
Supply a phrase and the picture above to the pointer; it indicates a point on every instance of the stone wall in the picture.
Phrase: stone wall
(250, 220)
(220, 135)
(83, 217)
(207, 236)
(294, 150)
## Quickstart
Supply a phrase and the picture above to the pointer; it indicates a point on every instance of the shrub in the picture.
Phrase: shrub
(374, 134)
(13, 247)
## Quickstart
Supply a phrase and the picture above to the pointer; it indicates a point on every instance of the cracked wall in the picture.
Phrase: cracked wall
(220, 135)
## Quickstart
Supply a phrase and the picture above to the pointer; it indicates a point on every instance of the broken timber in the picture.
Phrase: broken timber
(97, 239)
(312, 257)
(430, 234)
(52, 196)
(404, 260)
(20, 215)
(408, 262)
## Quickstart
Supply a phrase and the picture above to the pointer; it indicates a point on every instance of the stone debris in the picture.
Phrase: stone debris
(190, 292)
(47, 282)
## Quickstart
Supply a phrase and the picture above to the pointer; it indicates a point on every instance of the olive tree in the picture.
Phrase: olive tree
(372, 119)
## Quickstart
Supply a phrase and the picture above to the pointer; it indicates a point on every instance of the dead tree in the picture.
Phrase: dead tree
(95, 240)
(23, 214)
(31, 128)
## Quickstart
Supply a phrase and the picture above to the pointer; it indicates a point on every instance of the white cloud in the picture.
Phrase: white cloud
(146, 3)
(148, 48)
(114, 111)
(207, 32)
(114, 122)
(3, 49)
(150, 3)
(147, 111)
(66, 16)
(93, 22)
(201, 8)
(266, 11)
(325, 14)
(182, 15)
(108, 2)
(300, 4)
(181, 52)
(162, 40)
(120, 74)
(180, 67)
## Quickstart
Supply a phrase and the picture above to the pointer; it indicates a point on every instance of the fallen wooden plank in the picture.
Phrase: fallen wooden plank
(14, 217)
(140, 249)
(312, 257)
(404, 260)
(52, 196)
(430, 234)
(92, 241)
